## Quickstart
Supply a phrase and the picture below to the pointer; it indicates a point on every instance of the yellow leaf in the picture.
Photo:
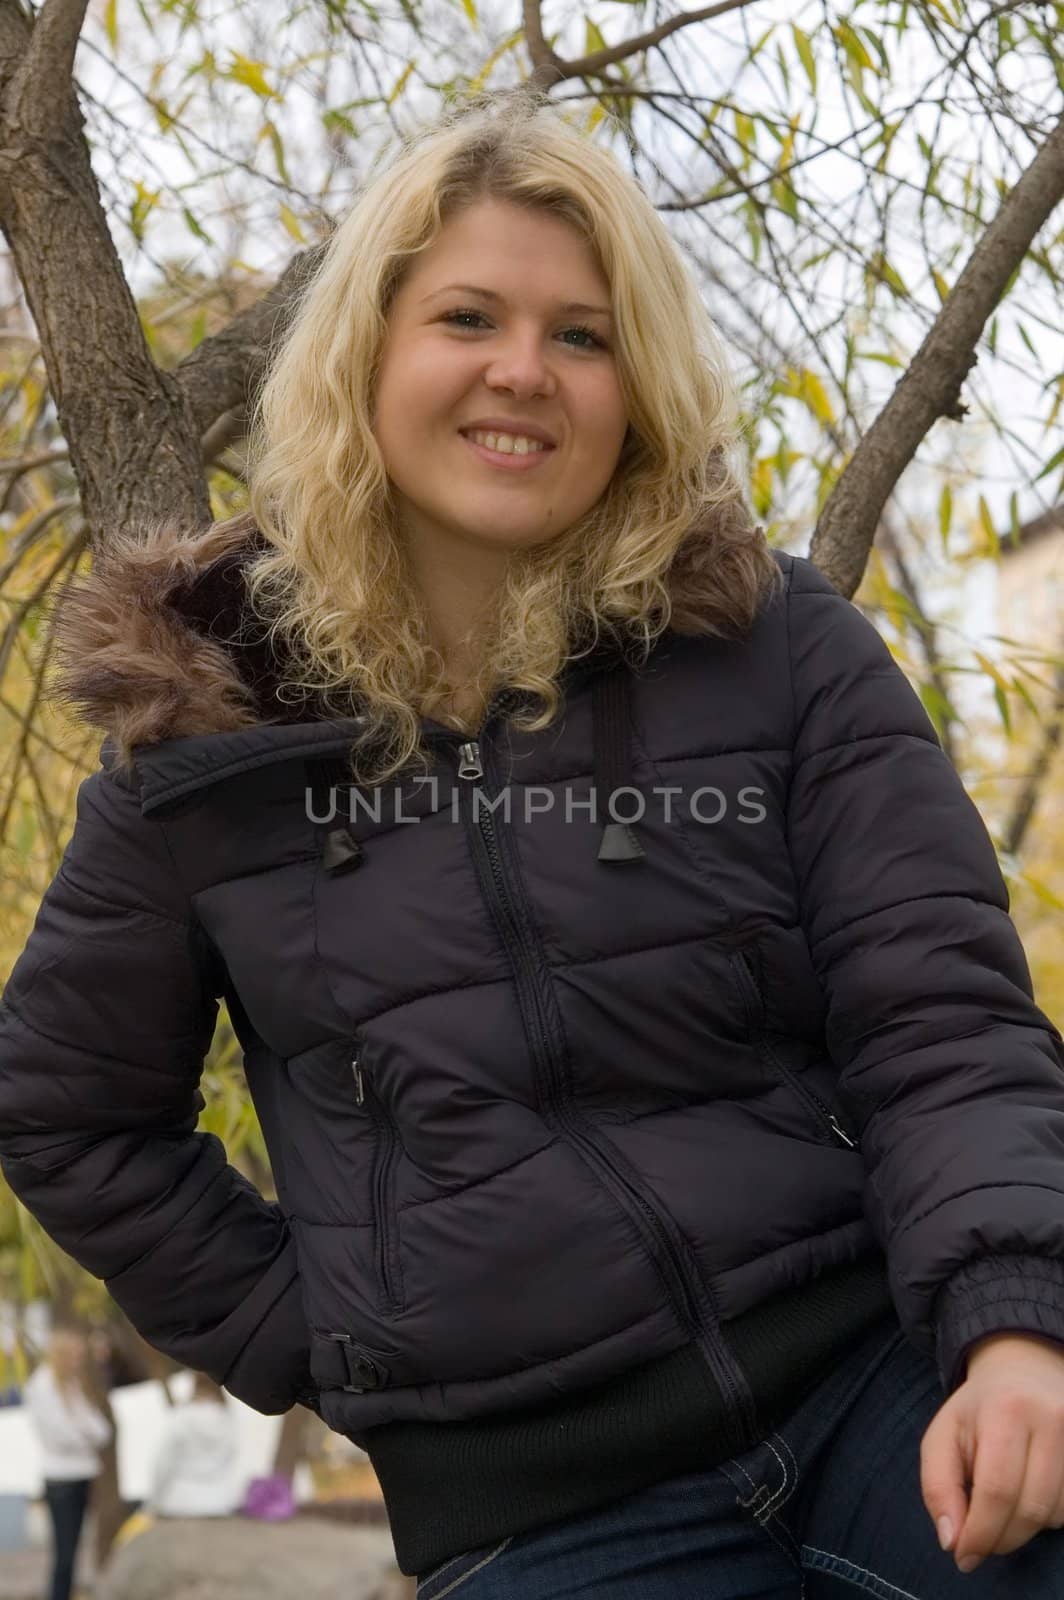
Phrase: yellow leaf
(987, 523)
(399, 83)
(291, 222)
(253, 75)
(806, 386)
(110, 22)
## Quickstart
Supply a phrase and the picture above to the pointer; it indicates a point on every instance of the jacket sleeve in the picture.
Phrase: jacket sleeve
(104, 1025)
(951, 1073)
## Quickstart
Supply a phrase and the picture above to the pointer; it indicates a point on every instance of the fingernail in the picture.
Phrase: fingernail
(969, 1563)
(945, 1532)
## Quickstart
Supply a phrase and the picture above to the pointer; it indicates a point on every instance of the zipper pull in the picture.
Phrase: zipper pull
(360, 1090)
(469, 760)
(843, 1135)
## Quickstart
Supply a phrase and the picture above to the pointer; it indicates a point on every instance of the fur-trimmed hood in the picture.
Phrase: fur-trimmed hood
(158, 641)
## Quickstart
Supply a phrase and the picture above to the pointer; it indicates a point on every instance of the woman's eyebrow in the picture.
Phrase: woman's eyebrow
(577, 307)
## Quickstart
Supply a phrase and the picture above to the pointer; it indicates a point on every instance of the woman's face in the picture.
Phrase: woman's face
(69, 1352)
(518, 358)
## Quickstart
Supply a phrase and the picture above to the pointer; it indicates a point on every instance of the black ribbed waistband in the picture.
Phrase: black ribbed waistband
(452, 1486)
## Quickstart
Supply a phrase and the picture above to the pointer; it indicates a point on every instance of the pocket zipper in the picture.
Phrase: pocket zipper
(383, 1168)
(756, 1014)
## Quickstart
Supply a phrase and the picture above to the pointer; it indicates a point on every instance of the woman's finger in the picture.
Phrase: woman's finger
(1042, 1489)
(1001, 1432)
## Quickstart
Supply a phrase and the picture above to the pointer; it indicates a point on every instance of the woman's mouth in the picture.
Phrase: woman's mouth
(507, 462)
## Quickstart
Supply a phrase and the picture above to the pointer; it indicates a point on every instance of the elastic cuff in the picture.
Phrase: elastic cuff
(272, 1372)
(996, 1294)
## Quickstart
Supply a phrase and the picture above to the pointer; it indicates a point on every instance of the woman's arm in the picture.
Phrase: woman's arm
(952, 1074)
(104, 1025)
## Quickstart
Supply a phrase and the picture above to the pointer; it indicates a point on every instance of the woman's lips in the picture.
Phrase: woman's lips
(508, 463)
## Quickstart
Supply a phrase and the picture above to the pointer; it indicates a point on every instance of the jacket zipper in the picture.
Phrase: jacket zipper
(383, 1167)
(689, 1298)
(820, 1112)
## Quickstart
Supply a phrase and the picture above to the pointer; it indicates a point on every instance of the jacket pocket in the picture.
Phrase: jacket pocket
(829, 1129)
(386, 1151)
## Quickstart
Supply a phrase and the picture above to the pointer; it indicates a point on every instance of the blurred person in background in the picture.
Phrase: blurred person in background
(71, 1430)
(196, 1471)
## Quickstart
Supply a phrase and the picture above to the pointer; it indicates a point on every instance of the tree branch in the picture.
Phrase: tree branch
(1023, 811)
(549, 68)
(223, 372)
(42, 79)
(133, 447)
(930, 388)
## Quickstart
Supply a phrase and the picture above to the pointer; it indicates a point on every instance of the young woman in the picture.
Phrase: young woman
(667, 1144)
(196, 1471)
(71, 1431)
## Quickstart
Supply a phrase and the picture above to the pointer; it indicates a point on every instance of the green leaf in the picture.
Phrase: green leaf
(270, 131)
(746, 133)
(1042, 890)
(143, 204)
(938, 708)
(1001, 687)
(945, 515)
(881, 355)
(1001, 701)
(291, 223)
(804, 47)
(785, 197)
(195, 227)
(986, 522)
(1014, 518)
(110, 22)
(400, 84)
(1025, 336)
(1051, 465)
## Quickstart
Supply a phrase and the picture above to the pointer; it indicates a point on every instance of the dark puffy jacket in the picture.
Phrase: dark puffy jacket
(547, 1098)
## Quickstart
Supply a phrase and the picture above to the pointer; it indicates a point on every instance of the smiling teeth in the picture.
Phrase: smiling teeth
(508, 444)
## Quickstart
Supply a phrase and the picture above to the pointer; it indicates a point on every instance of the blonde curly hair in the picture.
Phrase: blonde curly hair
(669, 543)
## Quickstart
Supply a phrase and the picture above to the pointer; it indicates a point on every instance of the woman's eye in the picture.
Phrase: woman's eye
(577, 327)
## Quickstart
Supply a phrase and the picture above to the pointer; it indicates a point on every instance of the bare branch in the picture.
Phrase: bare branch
(1023, 811)
(925, 628)
(549, 68)
(930, 388)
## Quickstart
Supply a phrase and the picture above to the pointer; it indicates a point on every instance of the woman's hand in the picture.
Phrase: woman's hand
(1001, 1433)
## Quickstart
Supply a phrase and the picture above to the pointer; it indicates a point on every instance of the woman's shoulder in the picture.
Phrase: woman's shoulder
(40, 1381)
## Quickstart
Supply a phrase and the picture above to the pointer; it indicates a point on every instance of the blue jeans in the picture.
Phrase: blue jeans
(67, 1500)
(828, 1505)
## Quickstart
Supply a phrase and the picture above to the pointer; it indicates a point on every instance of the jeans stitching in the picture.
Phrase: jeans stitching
(759, 1489)
(788, 1544)
(462, 1576)
(767, 1509)
(794, 1469)
(882, 1587)
(436, 1571)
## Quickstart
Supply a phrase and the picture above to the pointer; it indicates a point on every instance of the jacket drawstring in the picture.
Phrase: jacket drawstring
(612, 733)
(341, 851)
(610, 693)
